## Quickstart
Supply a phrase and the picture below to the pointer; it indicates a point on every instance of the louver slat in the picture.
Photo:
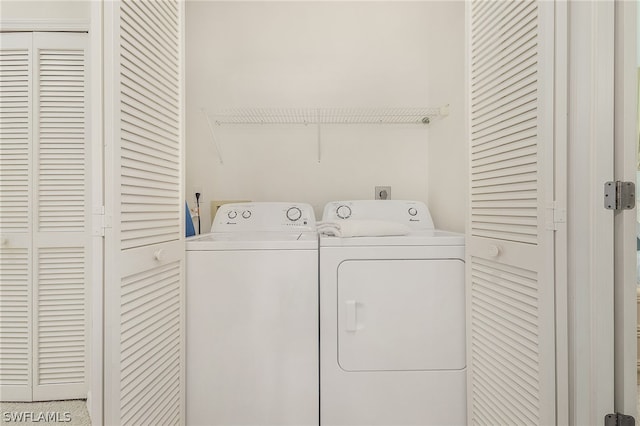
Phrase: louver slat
(150, 118)
(503, 340)
(150, 346)
(15, 135)
(503, 130)
(61, 316)
(489, 56)
(15, 314)
(61, 140)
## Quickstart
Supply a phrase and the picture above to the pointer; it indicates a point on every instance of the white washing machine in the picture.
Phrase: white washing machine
(252, 317)
(392, 321)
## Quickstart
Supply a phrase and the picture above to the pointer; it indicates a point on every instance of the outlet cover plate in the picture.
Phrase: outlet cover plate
(383, 193)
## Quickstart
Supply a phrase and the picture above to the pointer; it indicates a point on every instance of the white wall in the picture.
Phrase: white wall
(321, 54)
(51, 10)
(448, 145)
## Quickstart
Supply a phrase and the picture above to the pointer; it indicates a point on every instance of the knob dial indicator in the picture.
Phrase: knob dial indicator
(246, 214)
(413, 211)
(294, 214)
(343, 212)
(232, 214)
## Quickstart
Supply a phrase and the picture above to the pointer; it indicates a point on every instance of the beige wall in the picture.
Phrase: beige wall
(325, 54)
(78, 10)
(448, 145)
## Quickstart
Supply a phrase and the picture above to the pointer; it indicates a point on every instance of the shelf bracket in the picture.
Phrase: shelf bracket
(213, 135)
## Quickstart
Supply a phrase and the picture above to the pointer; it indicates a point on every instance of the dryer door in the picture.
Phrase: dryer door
(400, 315)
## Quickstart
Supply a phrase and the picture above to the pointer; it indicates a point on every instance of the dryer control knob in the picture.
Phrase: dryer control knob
(413, 211)
(343, 211)
(246, 214)
(294, 214)
(232, 214)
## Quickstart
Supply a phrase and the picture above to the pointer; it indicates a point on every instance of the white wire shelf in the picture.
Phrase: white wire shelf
(319, 117)
(327, 115)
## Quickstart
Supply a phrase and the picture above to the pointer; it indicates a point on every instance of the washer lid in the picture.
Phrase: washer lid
(253, 241)
(432, 237)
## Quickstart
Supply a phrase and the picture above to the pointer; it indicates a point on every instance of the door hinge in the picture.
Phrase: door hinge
(619, 420)
(555, 215)
(100, 222)
(619, 195)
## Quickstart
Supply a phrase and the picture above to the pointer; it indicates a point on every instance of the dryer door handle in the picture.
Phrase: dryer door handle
(352, 315)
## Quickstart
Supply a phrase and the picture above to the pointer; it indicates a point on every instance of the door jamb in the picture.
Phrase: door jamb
(625, 165)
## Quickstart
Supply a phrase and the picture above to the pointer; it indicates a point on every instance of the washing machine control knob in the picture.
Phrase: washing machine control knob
(343, 211)
(246, 214)
(294, 214)
(413, 211)
(232, 214)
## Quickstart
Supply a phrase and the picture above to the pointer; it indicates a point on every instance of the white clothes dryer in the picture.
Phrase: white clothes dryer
(392, 321)
(252, 317)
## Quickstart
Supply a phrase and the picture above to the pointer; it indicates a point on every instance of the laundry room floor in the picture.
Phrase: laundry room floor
(76, 408)
(71, 412)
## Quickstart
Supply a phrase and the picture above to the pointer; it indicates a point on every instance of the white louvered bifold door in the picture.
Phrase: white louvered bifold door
(15, 207)
(61, 216)
(145, 247)
(511, 352)
(44, 216)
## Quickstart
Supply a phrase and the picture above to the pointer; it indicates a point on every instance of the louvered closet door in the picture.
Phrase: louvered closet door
(15, 224)
(145, 286)
(510, 251)
(61, 213)
(44, 201)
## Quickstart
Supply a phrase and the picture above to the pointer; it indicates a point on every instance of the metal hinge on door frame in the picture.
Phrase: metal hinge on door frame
(618, 419)
(619, 195)
(555, 215)
(100, 221)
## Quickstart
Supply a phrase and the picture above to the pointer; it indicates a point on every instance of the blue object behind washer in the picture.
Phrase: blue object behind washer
(189, 228)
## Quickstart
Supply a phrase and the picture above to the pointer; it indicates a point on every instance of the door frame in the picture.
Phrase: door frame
(589, 258)
(625, 168)
(95, 395)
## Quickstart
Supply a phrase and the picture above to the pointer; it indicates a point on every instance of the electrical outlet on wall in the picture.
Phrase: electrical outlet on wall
(383, 193)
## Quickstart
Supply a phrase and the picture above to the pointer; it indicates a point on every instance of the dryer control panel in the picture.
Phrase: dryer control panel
(414, 214)
(264, 217)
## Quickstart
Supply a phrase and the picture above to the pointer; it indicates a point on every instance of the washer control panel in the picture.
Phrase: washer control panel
(414, 214)
(264, 216)
(343, 211)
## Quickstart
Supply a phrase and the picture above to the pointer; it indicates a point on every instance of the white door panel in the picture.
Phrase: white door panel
(62, 213)
(15, 227)
(144, 295)
(395, 302)
(510, 290)
(44, 216)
